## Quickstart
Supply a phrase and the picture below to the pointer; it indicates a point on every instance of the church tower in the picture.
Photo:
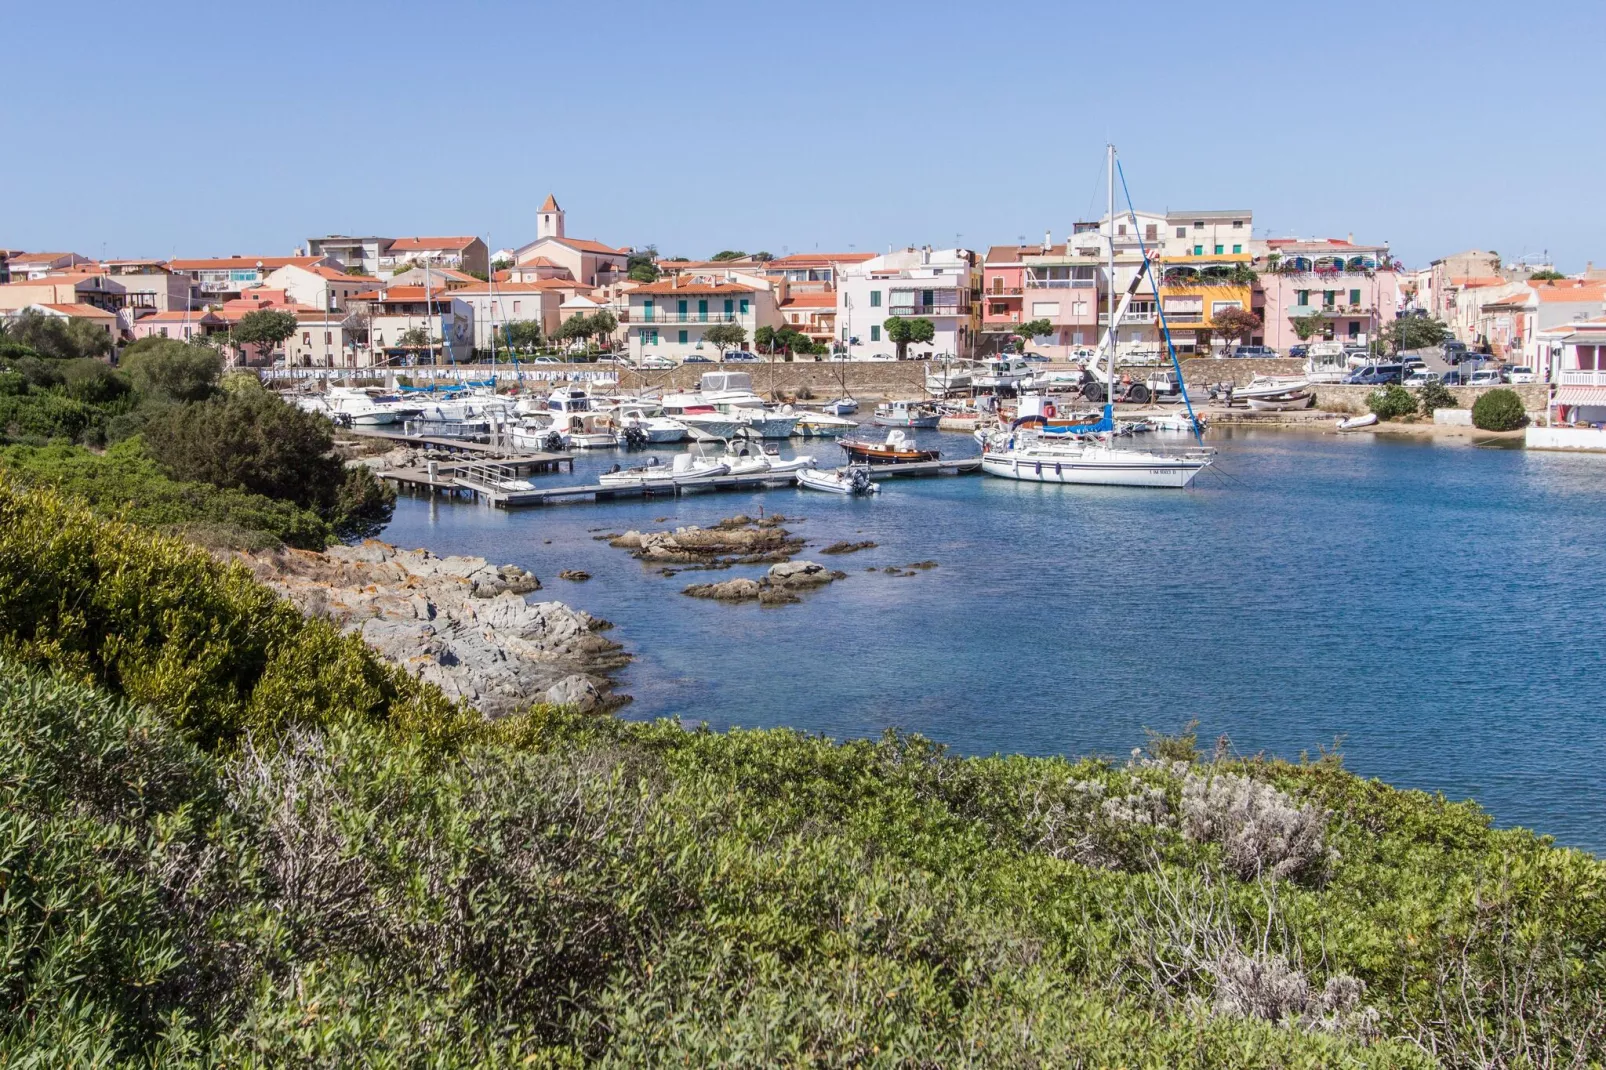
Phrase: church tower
(551, 221)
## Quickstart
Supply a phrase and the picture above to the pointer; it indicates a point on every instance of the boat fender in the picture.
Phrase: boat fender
(1048, 410)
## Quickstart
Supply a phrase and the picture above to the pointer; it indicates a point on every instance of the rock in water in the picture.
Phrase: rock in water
(457, 622)
(574, 575)
(801, 574)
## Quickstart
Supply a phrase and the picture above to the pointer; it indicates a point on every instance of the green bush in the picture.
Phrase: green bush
(170, 370)
(1435, 395)
(1391, 402)
(1498, 410)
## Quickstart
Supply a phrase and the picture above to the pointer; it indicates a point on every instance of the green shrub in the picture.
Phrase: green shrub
(13, 383)
(125, 483)
(1435, 395)
(92, 381)
(44, 416)
(169, 370)
(1391, 402)
(1498, 410)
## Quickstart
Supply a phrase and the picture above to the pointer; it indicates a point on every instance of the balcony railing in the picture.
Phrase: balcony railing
(1142, 317)
(1059, 284)
(1582, 377)
(1329, 310)
(929, 310)
(659, 316)
(1003, 291)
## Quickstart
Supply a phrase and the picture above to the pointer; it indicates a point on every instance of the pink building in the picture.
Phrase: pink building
(1353, 290)
(1026, 283)
(181, 324)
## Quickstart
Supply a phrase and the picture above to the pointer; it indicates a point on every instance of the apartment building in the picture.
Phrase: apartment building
(319, 285)
(388, 315)
(463, 252)
(670, 318)
(495, 306)
(926, 283)
(225, 278)
(1353, 288)
(351, 252)
(1208, 233)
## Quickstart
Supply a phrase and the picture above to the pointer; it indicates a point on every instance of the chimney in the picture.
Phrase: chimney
(1351, 238)
(1048, 239)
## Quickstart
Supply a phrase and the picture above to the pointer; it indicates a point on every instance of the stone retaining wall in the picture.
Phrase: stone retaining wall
(1340, 398)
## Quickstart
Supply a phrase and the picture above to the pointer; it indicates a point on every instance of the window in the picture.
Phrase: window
(1149, 234)
(1219, 250)
(646, 310)
(742, 305)
(652, 336)
(1045, 310)
(1237, 224)
(164, 332)
(730, 306)
(875, 298)
(1302, 298)
(1198, 250)
(1198, 224)
(702, 310)
(306, 338)
(1121, 230)
(682, 338)
(1218, 307)
(1327, 298)
(680, 308)
(515, 308)
(1079, 308)
(875, 332)
(1237, 248)
(1355, 297)
(1182, 232)
(1354, 328)
(328, 336)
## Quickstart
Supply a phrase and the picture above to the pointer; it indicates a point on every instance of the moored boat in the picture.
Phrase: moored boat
(686, 470)
(822, 425)
(896, 448)
(1355, 423)
(906, 414)
(850, 479)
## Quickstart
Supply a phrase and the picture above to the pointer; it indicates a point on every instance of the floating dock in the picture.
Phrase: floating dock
(496, 482)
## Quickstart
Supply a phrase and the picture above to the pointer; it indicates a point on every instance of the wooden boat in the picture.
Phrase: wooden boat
(896, 449)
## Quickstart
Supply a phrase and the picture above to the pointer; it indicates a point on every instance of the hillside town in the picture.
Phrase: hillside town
(1224, 288)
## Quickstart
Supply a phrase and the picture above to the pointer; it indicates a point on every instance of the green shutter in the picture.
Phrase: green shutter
(744, 306)
(1355, 297)
(682, 337)
(875, 298)
(1237, 248)
(875, 334)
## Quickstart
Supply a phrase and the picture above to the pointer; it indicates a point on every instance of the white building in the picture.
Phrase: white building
(496, 305)
(933, 284)
(1209, 233)
(387, 316)
(319, 285)
(670, 318)
(324, 338)
(360, 252)
(591, 263)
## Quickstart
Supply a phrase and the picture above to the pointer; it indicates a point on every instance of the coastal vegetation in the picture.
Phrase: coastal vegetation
(903, 331)
(229, 834)
(1391, 402)
(1415, 332)
(1498, 410)
(220, 460)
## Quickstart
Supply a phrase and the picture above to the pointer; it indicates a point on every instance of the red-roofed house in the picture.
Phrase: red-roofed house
(185, 325)
(433, 276)
(226, 277)
(494, 307)
(107, 321)
(319, 286)
(1353, 289)
(1573, 356)
(446, 318)
(24, 266)
(668, 318)
(812, 313)
(463, 252)
(589, 262)
(809, 271)
(1511, 323)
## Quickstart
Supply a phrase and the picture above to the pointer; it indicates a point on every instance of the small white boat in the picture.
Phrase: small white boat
(1005, 372)
(653, 429)
(1299, 399)
(906, 414)
(852, 479)
(1029, 459)
(822, 425)
(766, 423)
(1355, 423)
(708, 423)
(747, 458)
(1179, 421)
(843, 406)
(685, 471)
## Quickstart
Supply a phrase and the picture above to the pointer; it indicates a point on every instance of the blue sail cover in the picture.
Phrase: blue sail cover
(1102, 425)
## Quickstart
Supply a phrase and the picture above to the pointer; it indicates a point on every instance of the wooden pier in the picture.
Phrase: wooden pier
(495, 482)
(533, 461)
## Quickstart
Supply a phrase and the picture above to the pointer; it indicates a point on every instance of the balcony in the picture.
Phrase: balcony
(928, 310)
(1140, 317)
(1295, 311)
(1060, 284)
(1003, 291)
(659, 316)
(1583, 377)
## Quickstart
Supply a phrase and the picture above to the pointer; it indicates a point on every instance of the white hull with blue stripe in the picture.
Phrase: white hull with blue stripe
(1095, 464)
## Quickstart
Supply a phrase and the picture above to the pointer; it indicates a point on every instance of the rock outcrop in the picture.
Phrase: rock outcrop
(460, 623)
(777, 588)
(724, 544)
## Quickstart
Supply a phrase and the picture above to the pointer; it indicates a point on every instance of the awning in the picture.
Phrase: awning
(1581, 395)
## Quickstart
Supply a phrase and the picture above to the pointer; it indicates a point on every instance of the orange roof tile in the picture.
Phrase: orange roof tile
(694, 288)
(179, 315)
(539, 261)
(505, 288)
(810, 300)
(422, 244)
(821, 258)
(550, 204)
(1569, 290)
(89, 311)
(1471, 282)
(269, 263)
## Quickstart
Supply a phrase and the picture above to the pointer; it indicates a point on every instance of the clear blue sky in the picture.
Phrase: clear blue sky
(164, 129)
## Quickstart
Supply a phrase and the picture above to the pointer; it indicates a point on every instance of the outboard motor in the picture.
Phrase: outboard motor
(554, 442)
(859, 479)
(635, 438)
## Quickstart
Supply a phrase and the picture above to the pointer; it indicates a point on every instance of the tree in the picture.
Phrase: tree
(764, 339)
(165, 369)
(601, 325)
(1498, 410)
(725, 335)
(573, 329)
(57, 337)
(523, 335)
(414, 338)
(902, 332)
(1235, 324)
(256, 442)
(763, 256)
(728, 254)
(355, 269)
(265, 329)
(1034, 329)
(501, 263)
(1415, 332)
(1308, 325)
(1546, 276)
(642, 265)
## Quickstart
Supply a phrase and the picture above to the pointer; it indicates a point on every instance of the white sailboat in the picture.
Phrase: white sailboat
(1083, 453)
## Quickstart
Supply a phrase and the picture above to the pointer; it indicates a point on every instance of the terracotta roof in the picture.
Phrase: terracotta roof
(28, 258)
(694, 288)
(586, 245)
(810, 300)
(550, 204)
(1002, 254)
(1569, 290)
(404, 293)
(505, 288)
(1469, 282)
(821, 258)
(538, 261)
(269, 263)
(412, 244)
(89, 311)
(336, 275)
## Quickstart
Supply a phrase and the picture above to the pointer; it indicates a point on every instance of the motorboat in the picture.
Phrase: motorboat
(906, 414)
(1006, 372)
(842, 406)
(767, 423)
(896, 448)
(1299, 399)
(822, 425)
(534, 433)
(747, 457)
(588, 431)
(850, 479)
(361, 407)
(1032, 459)
(684, 471)
(950, 378)
(1270, 387)
(1355, 423)
(1179, 421)
(704, 422)
(653, 429)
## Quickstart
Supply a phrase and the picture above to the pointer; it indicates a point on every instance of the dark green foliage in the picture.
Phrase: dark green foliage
(1415, 332)
(57, 337)
(1435, 395)
(727, 254)
(1546, 276)
(1035, 328)
(13, 384)
(169, 370)
(1391, 402)
(125, 482)
(522, 335)
(363, 505)
(264, 330)
(1498, 410)
(901, 332)
(92, 382)
(293, 855)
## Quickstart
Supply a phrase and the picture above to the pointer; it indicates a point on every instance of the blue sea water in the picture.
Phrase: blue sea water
(1435, 607)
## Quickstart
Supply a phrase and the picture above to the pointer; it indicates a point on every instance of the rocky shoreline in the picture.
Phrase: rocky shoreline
(460, 623)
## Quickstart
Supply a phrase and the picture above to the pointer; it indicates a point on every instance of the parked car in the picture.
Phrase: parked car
(1412, 364)
(739, 356)
(545, 360)
(656, 363)
(1376, 375)
(1522, 374)
(1254, 351)
(1299, 352)
(1421, 377)
(1035, 358)
(1454, 352)
(879, 357)
(1451, 378)
(695, 359)
(1485, 377)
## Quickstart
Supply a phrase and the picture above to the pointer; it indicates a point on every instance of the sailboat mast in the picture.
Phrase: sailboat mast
(1109, 290)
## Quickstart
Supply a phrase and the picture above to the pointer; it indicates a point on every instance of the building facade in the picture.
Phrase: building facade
(925, 283)
(362, 252)
(671, 318)
(590, 263)
(465, 253)
(1345, 291)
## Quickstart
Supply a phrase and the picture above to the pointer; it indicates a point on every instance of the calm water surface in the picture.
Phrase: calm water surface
(1436, 606)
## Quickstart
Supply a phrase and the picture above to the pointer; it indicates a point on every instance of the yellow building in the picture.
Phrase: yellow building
(1195, 289)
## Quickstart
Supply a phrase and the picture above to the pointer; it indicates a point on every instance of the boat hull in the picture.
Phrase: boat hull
(1161, 473)
(906, 421)
(858, 453)
(1298, 401)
